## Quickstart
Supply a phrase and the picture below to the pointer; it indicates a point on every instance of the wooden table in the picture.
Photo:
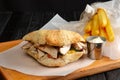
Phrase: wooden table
(102, 65)
(14, 25)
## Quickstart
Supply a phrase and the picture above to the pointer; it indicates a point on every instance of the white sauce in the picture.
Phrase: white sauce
(97, 40)
(65, 49)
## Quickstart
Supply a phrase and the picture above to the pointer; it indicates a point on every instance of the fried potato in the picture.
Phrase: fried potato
(102, 17)
(86, 35)
(95, 25)
(109, 31)
(88, 27)
(103, 33)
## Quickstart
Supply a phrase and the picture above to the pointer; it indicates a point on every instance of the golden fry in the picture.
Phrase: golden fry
(95, 25)
(86, 35)
(103, 33)
(109, 31)
(88, 27)
(102, 17)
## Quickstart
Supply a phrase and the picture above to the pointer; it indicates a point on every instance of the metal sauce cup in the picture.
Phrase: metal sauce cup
(95, 47)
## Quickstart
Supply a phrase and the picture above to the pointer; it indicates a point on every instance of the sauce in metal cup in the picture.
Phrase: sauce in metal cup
(95, 47)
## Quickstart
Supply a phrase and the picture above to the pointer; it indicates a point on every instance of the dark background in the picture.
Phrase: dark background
(46, 5)
(18, 17)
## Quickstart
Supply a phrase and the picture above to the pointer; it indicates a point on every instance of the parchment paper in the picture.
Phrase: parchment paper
(16, 59)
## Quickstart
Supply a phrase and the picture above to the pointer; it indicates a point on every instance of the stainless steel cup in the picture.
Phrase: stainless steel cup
(95, 48)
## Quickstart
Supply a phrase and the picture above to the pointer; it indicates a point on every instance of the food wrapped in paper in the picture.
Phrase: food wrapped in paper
(112, 9)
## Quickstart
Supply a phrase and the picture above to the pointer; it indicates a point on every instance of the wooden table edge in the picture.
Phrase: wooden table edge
(86, 71)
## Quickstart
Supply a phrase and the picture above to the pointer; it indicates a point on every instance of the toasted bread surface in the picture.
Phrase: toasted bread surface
(53, 37)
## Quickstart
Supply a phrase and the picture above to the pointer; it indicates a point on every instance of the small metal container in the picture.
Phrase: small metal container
(95, 47)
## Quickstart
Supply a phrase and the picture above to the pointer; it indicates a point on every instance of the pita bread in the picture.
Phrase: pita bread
(53, 37)
(60, 61)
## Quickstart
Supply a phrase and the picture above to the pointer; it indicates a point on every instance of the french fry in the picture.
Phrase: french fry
(109, 31)
(103, 33)
(88, 26)
(102, 17)
(86, 35)
(95, 25)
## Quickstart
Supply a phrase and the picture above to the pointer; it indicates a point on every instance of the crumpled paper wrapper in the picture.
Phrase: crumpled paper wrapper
(16, 59)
